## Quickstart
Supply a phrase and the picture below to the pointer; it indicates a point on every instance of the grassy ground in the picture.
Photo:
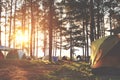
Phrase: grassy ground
(41, 70)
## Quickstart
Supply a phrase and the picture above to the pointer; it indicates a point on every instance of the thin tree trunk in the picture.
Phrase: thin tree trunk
(61, 11)
(5, 25)
(10, 29)
(37, 41)
(53, 49)
(0, 20)
(55, 43)
(60, 42)
(84, 31)
(14, 24)
(86, 41)
(34, 40)
(45, 43)
(98, 21)
(110, 18)
(31, 36)
(37, 29)
(71, 46)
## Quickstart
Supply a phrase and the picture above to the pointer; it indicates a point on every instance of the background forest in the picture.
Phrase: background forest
(56, 25)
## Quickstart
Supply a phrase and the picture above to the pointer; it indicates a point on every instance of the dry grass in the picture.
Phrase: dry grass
(39, 70)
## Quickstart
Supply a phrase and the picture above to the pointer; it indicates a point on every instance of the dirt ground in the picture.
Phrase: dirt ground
(24, 70)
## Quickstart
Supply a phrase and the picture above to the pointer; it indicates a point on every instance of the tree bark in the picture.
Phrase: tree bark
(92, 24)
(31, 36)
(50, 28)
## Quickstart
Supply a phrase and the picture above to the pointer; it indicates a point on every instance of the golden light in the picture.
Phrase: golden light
(20, 37)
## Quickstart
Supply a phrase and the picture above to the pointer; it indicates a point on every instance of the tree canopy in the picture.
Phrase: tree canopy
(52, 26)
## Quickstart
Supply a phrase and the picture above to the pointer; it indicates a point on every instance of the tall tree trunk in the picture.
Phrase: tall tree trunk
(86, 41)
(50, 27)
(10, 28)
(14, 23)
(61, 13)
(31, 36)
(98, 20)
(37, 29)
(92, 23)
(85, 37)
(34, 28)
(6, 25)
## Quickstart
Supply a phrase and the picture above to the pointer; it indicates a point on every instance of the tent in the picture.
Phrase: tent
(15, 54)
(4, 48)
(105, 55)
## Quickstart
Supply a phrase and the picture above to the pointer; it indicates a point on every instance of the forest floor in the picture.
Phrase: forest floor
(41, 70)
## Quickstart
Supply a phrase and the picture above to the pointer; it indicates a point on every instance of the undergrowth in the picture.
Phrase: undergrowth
(73, 71)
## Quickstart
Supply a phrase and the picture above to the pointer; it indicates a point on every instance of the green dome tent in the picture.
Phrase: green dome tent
(105, 55)
(15, 54)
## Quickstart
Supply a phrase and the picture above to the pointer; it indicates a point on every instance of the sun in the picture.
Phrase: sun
(21, 38)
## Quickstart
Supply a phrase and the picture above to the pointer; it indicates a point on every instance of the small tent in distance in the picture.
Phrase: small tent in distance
(12, 53)
(16, 54)
(3, 48)
(105, 57)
